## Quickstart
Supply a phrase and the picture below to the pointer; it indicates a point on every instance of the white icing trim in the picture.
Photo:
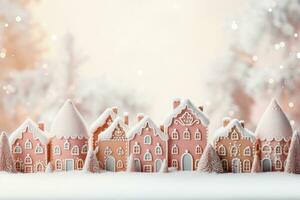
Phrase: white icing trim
(100, 121)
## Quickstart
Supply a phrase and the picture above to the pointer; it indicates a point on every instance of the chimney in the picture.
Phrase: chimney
(139, 116)
(41, 126)
(115, 109)
(126, 118)
(226, 121)
(176, 103)
(201, 108)
(162, 128)
(242, 122)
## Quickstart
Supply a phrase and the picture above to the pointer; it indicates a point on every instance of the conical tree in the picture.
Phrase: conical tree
(164, 167)
(293, 159)
(6, 160)
(49, 168)
(256, 167)
(91, 162)
(210, 161)
(131, 164)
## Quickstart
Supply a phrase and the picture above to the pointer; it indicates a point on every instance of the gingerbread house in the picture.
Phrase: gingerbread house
(101, 123)
(186, 126)
(148, 145)
(69, 139)
(235, 145)
(29, 147)
(274, 134)
(113, 147)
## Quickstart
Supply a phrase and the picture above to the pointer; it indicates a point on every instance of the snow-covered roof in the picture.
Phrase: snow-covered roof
(32, 128)
(69, 123)
(102, 119)
(224, 131)
(107, 134)
(186, 104)
(137, 129)
(274, 124)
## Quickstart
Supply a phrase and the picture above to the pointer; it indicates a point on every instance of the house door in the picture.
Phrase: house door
(187, 162)
(69, 165)
(137, 164)
(110, 164)
(158, 164)
(28, 169)
(267, 165)
(236, 165)
(39, 167)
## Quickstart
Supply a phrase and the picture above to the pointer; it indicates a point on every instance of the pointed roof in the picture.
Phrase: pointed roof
(274, 124)
(186, 104)
(102, 119)
(107, 134)
(32, 128)
(69, 123)
(224, 131)
(137, 129)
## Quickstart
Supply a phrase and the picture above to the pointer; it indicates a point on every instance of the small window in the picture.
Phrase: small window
(278, 165)
(234, 135)
(147, 168)
(286, 149)
(28, 159)
(278, 149)
(84, 149)
(18, 149)
(158, 150)
(119, 164)
(120, 151)
(266, 149)
(75, 150)
(147, 156)
(107, 151)
(198, 149)
(186, 134)
(196, 163)
(136, 149)
(234, 151)
(67, 145)
(18, 166)
(56, 150)
(225, 165)
(174, 149)
(39, 149)
(58, 165)
(175, 134)
(247, 166)
(175, 164)
(222, 151)
(28, 144)
(80, 164)
(197, 135)
(247, 151)
(147, 139)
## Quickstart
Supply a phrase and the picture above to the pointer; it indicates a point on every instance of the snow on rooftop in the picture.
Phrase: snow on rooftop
(101, 119)
(69, 123)
(107, 134)
(142, 124)
(32, 128)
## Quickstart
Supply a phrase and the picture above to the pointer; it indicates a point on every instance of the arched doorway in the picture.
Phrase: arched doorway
(137, 164)
(110, 164)
(158, 164)
(39, 167)
(236, 165)
(187, 162)
(266, 165)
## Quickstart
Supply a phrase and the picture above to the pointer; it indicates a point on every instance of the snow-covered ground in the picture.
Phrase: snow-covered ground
(176, 185)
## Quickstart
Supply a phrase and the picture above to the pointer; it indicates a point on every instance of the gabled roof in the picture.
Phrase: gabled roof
(32, 128)
(137, 129)
(224, 131)
(186, 104)
(69, 123)
(274, 124)
(102, 119)
(107, 134)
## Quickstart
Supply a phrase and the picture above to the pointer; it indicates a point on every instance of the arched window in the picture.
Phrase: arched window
(158, 150)
(247, 151)
(28, 159)
(198, 149)
(278, 149)
(120, 151)
(266, 149)
(147, 139)
(247, 166)
(119, 164)
(147, 156)
(39, 149)
(186, 134)
(225, 165)
(58, 165)
(75, 150)
(174, 149)
(286, 148)
(222, 150)
(18, 166)
(28, 144)
(197, 135)
(175, 163)
(66, 145)
(234, 150)
(18, 149)
(175, 134)
(107, 151)
(80, 164)
(278, 164)
(56, 150)
(234, 135)
(84, 149)
(136, 148)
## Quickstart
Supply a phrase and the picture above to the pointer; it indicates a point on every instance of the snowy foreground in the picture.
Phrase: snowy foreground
(176, 185)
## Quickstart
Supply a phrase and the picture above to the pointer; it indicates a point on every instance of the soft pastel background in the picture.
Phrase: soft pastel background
(140, 54)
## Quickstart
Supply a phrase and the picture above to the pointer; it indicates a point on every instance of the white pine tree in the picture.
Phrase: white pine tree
(256, 167)
(164, 167)
(210, 161)
(91, 163)
(130, 164)
(293, 158)
(49, 168)
(6, 159)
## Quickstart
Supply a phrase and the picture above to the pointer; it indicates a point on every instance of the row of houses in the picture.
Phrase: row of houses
(180, 140)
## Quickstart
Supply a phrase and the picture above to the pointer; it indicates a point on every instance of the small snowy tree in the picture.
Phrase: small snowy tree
(210, 161)
(164, 167)
(256, 164)
(293, 158)
(49, 168)
(131, 164)
(6, 160)
(91, 163)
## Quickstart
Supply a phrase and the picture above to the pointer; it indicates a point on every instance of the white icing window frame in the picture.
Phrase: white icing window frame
(120, 164)
(18, 149)
(232, 151)
(174, 163)
(198, 135)
(280, 149)
(158, 149)
(246, 153)
(222, 150)
(136, 149)
(75, 150)
(39, 149)
(198, 150)
(28, 144)
(280, 164)
(67, 145)
(147, 168)
(147, 140)
(107, 151)
(147, 156)
(266, 146)
(28, 160)
(186, 134)
(120, 151)
(56, 150)
(234, 135)
(58, 162)
(80, 164)
(84, 149)
(224, 165)
(245, 163)
(175, 134)
(174, 150)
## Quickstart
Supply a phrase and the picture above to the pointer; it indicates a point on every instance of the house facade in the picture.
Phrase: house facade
(235, 146)
(148, 145)
(186, 127)
(29, 145)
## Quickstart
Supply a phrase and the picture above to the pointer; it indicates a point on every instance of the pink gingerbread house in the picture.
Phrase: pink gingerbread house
(273, 134)
(113, 147)
(187, 130)
(69, 141)
(148, 145)
(102, 123)
(29, 147)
